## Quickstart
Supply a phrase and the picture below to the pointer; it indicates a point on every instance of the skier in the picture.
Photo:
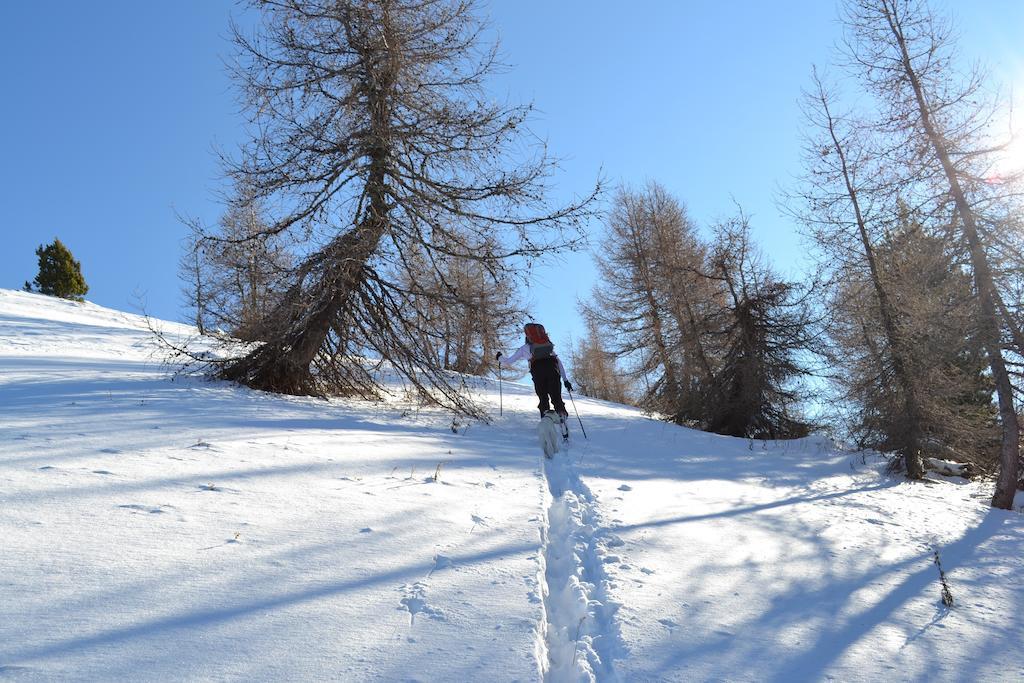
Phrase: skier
(545, 368)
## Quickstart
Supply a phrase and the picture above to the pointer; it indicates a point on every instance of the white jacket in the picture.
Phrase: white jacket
(524, 352)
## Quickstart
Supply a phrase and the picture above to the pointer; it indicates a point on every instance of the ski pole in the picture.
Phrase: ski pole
(577, 414)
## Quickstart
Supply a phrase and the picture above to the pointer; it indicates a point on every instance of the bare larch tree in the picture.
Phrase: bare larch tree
(468, 311)
(595, 369)
(374, 138)
(933, 301)
(762, 328)
(233, 274)
(653, 301)
(711, 337)
(904, 54)
(846, 200)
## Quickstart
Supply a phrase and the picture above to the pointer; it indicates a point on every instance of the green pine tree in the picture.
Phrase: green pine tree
(59, 273)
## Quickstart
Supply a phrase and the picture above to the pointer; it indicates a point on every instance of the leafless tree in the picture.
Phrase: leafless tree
(193, 274)
(469, 311)
(374, 140)
(904, 54)
(233, 275)
(712, 336)
(652, 299)
(933, 299)
(764, 326)
(595, 369)
(846, 200)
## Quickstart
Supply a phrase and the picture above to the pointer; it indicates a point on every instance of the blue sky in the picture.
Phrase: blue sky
(112, 110)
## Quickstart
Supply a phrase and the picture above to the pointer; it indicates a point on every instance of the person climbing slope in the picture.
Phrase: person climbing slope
(546, 369)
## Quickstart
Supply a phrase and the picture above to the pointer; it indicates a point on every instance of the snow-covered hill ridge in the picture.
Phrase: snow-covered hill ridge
(167, 530)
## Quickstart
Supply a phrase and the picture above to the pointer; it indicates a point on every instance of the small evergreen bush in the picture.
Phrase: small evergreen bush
(59, 273)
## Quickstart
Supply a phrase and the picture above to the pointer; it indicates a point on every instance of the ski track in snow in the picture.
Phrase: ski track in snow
(581, 636)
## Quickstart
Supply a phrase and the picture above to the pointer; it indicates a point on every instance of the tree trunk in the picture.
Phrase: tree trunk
(285, 366)
(911, 448)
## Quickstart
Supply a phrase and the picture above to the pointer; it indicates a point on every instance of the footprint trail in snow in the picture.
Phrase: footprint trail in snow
(582, 638)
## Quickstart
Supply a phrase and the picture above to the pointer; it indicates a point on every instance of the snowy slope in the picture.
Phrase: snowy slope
(188, 530)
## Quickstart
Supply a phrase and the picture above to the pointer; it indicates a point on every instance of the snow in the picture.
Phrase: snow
(167, 528)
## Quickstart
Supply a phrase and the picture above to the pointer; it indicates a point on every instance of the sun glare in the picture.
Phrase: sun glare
(1010, 160)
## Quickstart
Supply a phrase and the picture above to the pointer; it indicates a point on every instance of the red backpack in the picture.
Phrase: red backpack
(540, 346)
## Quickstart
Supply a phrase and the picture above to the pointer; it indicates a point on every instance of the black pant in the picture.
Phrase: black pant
(548, 385)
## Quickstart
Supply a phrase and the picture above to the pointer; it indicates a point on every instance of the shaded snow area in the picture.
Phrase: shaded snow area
(159, 529)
